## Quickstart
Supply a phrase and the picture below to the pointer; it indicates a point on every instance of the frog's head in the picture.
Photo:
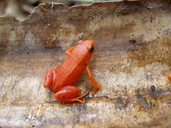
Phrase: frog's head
(85, 49)
(89, 44)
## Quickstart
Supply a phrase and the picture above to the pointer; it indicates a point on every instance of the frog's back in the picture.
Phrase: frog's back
(72, 68)
(67, 74)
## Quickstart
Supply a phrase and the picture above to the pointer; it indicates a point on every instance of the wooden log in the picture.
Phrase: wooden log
(131, 63)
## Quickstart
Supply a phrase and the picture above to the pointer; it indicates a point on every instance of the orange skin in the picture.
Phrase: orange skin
(61, 79)
(169, 77)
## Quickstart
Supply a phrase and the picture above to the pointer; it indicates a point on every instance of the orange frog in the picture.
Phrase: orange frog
(61, 79)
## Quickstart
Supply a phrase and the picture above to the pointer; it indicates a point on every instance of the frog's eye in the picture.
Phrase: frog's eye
(90, 48)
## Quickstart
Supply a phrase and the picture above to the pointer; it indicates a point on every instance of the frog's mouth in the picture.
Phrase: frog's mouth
(91, 49)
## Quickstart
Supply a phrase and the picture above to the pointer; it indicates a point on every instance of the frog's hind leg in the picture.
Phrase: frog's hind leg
(48, 79)
(69, 94)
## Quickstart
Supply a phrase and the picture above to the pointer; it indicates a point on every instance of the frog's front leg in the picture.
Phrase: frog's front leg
(93, 81)
(69, 94)
(68, 52)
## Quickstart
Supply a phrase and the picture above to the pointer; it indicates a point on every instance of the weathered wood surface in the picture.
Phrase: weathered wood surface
(131, 62)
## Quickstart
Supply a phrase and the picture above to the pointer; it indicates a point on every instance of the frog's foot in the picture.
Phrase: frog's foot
(96, 88)
(69, 94)
(82, 96)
